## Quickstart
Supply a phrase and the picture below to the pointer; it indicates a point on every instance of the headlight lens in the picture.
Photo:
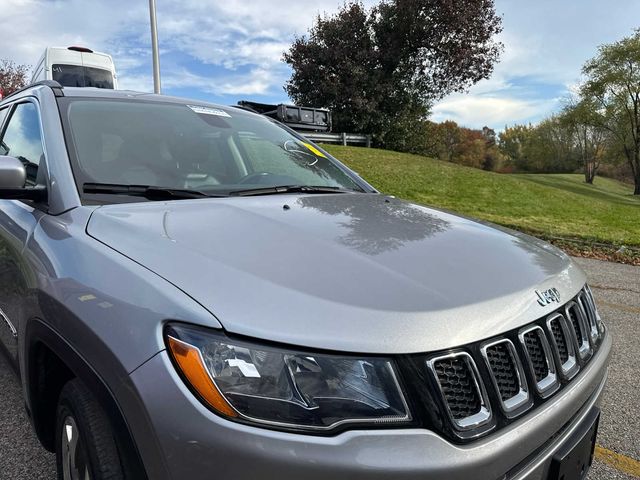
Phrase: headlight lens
(286, 388)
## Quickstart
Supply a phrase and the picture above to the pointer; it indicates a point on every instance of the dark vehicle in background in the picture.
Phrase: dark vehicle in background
(302, 119)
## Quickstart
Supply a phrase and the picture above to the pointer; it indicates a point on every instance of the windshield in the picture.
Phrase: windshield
(79, 76)
(195, 147)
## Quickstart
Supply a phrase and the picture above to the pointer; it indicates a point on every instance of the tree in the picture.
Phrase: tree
(545, 147)
(383, 67)
(450, 138)
(514, 144)
(589, 138)
(613, 83)
(551, 147)
(12, 77)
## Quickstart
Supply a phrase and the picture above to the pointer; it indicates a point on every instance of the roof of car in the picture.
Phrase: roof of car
(103, 92)
(87, 92)
(90, 92)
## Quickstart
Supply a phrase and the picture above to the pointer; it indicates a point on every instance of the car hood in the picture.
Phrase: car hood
(349, 272)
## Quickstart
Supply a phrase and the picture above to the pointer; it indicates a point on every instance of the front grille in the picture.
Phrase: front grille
(578, 328)
(503, 368)
(462, 390)
(507, 375)
(540, 359)
(589, 308)
(546, 358)
(560, 340)
(458, 387)
(536, 353)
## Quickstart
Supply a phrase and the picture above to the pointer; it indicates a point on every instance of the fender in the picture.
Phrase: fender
(38, 405)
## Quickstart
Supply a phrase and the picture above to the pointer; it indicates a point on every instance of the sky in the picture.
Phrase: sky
(225, 51)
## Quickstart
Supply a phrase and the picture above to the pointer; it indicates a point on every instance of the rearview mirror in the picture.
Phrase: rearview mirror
(13, 176)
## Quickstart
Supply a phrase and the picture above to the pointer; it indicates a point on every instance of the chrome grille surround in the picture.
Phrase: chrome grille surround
(577, 320)
(544, 357)
(549, 383)
(586, 302)
(589, 295)
(561, 338)
(484, 415)
(521, 398)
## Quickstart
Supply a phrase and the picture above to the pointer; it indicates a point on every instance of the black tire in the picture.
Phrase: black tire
(96, 449)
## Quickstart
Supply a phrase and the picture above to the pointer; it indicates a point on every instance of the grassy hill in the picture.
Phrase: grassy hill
(546, 204)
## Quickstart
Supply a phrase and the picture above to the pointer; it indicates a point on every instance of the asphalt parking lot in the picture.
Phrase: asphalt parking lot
(617, 290)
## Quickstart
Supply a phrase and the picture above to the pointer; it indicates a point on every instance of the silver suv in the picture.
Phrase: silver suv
(195, 291)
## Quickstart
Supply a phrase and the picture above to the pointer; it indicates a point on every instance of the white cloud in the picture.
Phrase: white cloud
(232, 35)
(546, 44)
(28, 26)
(475, 111)
(135, 82)
(256, 82)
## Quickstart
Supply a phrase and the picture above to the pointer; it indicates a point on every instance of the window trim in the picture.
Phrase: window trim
(5, 121)
(44, 204)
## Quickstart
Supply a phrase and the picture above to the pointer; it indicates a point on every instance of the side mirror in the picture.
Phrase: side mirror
(13, 176)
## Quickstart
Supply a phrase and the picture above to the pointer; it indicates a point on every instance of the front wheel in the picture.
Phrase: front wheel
(85, 442)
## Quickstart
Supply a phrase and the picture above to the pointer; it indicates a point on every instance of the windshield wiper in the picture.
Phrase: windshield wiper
(287, 189)
(149, 192)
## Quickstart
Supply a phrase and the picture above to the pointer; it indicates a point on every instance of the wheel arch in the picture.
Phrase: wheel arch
(50, 362)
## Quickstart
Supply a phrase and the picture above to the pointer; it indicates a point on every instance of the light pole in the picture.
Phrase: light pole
(154, 47)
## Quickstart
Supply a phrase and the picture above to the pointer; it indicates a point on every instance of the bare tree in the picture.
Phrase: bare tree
(613, 83)
(590, 138)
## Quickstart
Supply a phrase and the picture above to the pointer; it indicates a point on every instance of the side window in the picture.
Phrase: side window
(22, 139)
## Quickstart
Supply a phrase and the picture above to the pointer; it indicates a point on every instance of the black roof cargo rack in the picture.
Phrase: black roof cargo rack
(296, 117)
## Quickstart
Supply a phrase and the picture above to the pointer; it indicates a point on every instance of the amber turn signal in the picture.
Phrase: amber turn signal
(191, 365)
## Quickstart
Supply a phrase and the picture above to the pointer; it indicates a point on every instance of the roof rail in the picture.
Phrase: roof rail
(55, 86)
(48, 83)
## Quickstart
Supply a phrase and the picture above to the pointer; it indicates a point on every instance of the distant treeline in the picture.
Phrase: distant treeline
(562, 143)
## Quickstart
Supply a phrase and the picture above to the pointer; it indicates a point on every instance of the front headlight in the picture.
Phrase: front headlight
(285, 388)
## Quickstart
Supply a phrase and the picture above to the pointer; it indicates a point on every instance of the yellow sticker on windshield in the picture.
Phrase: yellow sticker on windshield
(315, 151)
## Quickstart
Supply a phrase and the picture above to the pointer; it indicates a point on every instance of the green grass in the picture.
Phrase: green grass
(547, 204)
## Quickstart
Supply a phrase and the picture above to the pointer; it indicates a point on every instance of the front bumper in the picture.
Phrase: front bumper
(192, 442)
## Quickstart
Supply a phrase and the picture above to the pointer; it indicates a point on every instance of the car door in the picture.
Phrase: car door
(21, 137)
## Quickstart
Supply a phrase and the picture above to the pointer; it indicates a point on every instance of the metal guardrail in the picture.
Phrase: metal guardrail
(340, 138)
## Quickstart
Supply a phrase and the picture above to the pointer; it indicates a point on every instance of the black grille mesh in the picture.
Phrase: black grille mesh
(464, 388)
(536, 355)
(575, 323)
(504, 370)
(561, 341)
(458, 386)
